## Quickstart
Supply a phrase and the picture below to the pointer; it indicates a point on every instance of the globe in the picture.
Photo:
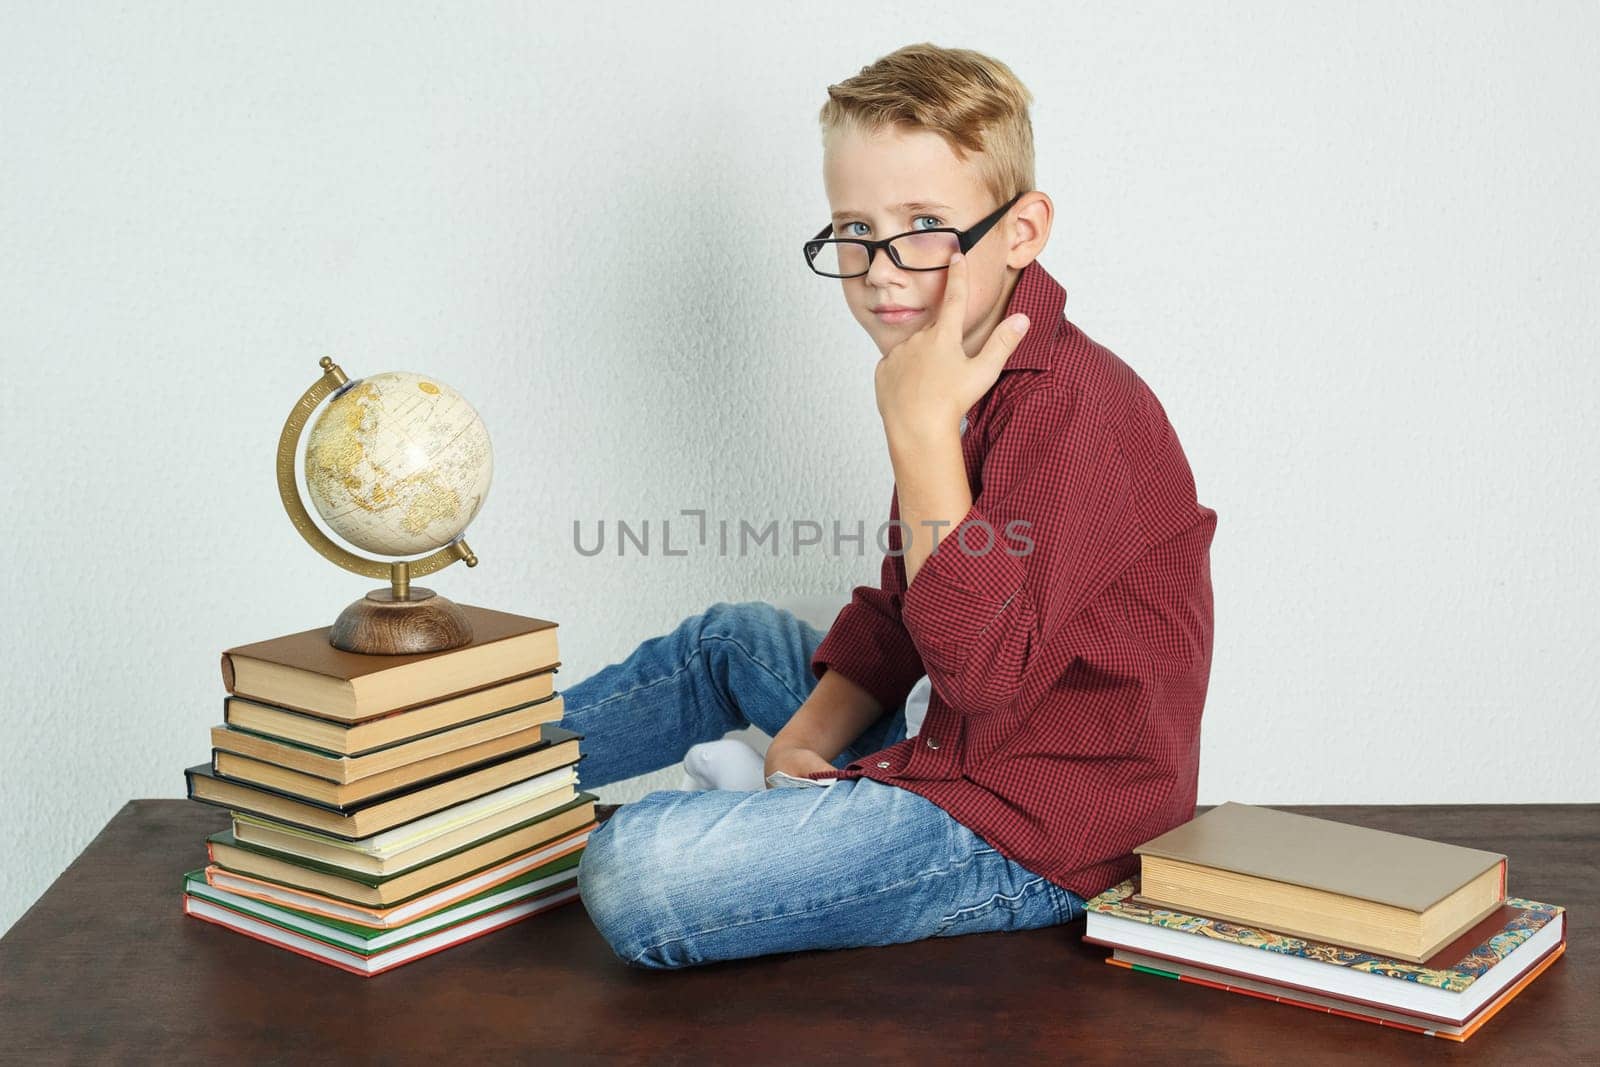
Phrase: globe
(398, 463)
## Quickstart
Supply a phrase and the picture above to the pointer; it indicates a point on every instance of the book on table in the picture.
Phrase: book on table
(1451, 994)
(385, 807)
(1391, 894)
(303, 671)
(367, 950)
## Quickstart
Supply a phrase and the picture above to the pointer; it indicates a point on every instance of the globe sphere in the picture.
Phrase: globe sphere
(398, 463)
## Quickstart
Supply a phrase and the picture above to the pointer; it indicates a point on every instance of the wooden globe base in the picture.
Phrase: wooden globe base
(382, 624)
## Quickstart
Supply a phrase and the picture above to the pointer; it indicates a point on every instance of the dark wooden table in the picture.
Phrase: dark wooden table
(106, 968)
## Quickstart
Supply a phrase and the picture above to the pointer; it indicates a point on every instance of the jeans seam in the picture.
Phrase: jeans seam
(1067, 909)
(637, 688)
(994, 902)
(753, 658)
(737, 714)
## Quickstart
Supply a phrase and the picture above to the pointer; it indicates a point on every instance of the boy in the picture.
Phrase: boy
(1048, 571)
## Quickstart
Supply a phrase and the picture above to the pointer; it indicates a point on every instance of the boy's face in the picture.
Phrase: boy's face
(869, 177)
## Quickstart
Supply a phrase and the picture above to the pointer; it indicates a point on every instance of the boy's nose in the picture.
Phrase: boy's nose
(883, 269)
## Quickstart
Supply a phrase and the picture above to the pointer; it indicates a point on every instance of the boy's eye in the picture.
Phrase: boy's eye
(846, 228)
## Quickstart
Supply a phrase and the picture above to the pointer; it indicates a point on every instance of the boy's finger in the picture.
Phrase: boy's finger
(1004, 340)
(954, 311)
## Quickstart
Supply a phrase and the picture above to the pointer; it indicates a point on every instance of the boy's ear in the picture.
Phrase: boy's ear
(1030, 229)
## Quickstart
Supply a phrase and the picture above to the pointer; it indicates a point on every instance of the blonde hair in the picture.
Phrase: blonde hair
(971, 100)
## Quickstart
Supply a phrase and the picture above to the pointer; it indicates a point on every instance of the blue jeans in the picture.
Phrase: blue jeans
(680, 878)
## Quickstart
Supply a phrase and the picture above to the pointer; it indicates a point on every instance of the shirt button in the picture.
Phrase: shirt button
(883, 763)
(932, 743)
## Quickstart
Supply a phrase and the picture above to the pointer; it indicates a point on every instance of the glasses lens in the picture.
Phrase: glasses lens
(925, 251)
(839, 260)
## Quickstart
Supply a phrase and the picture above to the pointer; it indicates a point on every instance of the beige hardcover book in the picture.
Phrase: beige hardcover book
(383, 813)
(1323, 880)
(343, 795)
(407, 761)
(306, 846)
(354, 739)
(305, 672)
(401, 887)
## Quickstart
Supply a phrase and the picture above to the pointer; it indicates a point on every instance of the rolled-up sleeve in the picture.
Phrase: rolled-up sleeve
(1053, 524)
(868, 643)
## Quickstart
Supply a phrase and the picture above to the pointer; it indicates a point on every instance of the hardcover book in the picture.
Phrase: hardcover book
(273, 870)
(1451, 987)
(384, 813)
(1366, 889)
(458, 821)
(482, 713)
(314, 787)
(307, 849)
(402, 907)
(304, 671)
(1288, 995)
(366, 952)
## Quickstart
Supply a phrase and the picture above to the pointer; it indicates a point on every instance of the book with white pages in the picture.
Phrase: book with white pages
(552, 859)
(421, 831)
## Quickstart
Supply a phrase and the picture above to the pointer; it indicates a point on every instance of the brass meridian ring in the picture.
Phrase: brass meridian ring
(289, 444)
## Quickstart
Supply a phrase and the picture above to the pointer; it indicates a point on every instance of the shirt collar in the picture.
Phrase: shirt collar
(1041, 298)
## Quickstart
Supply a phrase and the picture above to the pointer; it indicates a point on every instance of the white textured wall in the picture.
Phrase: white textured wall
(1353, 247)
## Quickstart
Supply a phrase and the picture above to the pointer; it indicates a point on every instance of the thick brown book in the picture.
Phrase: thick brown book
(411, 760)
(1312, 878)
(304, 672)
(358, 739)
(374, 816)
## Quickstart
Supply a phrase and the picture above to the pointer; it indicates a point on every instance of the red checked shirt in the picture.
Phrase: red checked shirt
(1068, 674)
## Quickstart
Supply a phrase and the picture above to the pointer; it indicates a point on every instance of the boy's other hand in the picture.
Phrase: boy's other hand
(792, 759)
(927, 382)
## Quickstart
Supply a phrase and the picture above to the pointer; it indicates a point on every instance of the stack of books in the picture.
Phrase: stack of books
(387, 807)
(1382, 927)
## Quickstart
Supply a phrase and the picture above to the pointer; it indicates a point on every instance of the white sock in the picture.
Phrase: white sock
(727, 763)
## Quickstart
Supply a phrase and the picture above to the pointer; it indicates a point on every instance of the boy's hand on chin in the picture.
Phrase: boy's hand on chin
(927, 382)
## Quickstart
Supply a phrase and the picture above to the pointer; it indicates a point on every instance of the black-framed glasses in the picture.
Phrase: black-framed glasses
(931, 249)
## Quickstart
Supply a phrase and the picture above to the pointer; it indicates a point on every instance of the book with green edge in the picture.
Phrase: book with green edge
(548, 880)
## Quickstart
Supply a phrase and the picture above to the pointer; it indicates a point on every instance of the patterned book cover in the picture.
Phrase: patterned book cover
(1453, 968)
